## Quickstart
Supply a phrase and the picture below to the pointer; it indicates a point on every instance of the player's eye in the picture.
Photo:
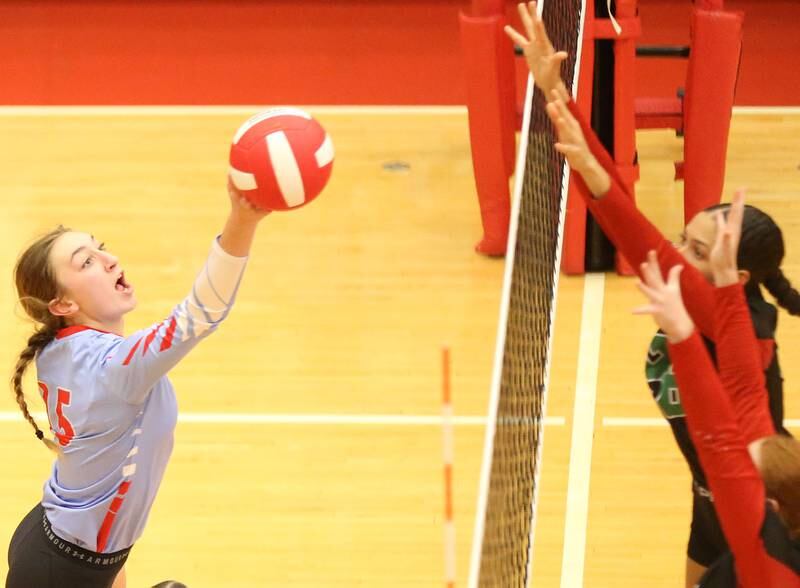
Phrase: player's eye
(102, 246)
(88, 262)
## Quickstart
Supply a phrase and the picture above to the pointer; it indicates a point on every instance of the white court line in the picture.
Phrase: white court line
(660, 422)
(245, 110)
(766, 110)
(310, 419)
(580, 457)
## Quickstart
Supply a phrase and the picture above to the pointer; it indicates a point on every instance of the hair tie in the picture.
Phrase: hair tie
(39, 435)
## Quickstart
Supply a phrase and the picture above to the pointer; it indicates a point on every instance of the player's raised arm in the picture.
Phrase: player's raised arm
(740, 365)
(135, 364)
(739, 492)
(616, 213)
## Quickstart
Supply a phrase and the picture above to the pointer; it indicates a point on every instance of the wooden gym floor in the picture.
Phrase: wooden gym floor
(277, 478)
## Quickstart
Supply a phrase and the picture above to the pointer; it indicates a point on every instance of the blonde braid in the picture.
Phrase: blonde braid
(36, 343)
(37, 285)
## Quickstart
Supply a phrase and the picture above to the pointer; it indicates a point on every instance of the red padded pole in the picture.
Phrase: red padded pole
(573, 253)
(710, 84)
(489, 69)
(624, 105)
(506, 80)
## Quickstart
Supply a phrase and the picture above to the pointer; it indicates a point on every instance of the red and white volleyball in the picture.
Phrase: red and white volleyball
(281, 159)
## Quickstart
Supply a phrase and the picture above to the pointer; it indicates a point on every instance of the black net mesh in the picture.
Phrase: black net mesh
(507, 531)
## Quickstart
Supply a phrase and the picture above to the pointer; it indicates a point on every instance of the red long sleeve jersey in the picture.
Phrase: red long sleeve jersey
(763, 555)
(634, 236)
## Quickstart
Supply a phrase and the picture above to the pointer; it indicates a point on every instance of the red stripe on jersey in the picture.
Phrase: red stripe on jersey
(149, 339)
(108, 521)
(131, 352)
(167, 342)
(45, 392)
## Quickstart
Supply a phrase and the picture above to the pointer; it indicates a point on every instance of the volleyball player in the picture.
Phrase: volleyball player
(110, 405)
(753, 473)
(760, 254)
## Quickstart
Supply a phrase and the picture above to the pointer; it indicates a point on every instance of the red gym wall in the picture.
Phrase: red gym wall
(315, 51)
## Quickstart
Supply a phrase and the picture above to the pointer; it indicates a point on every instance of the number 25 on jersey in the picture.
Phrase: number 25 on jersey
(64, 431)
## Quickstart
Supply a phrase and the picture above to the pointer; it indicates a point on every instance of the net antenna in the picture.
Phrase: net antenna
(505, 521)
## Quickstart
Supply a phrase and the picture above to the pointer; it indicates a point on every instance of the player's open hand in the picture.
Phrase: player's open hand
(722, 258)
(665, 303)
(242, 207)
(543, 61)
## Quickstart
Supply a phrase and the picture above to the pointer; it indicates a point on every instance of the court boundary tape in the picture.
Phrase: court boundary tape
(239, 418)
(233, 418)
(576, 516)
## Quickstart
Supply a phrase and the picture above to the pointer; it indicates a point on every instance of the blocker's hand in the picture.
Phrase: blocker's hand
(543, 61)
(572, 144)
(242, 207)
(722, 258)
(665, 301)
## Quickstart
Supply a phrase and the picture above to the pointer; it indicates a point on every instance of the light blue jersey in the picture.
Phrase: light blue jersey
(113, 412)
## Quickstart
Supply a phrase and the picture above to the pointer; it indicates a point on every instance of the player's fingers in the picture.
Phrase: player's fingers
(541, 30)
(566, 135)
(574, 125)
(729, 248)
(674, 277)
(567, 150)
(558, 103)
(736, 213)
(569, 126)
(552, 112)
(645, 309)
(719, 220)
(739, 195)
(647, 275)
(652, 271)
(563, 112)
(652, 294)
(232, 189)
(516, 36)
(541, 35)
(527, 21)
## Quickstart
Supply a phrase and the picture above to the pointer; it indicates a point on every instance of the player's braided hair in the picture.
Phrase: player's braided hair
(761, 252)
(780, 287)
(36, 286)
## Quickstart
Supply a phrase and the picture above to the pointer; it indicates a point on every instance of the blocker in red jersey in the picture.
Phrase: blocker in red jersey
(281, 159)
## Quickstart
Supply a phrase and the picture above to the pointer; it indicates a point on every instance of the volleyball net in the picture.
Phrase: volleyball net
(506, 514)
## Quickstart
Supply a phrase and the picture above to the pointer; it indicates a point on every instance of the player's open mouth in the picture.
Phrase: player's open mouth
(122, 285)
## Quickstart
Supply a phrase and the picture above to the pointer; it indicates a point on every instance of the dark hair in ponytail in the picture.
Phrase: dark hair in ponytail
(761, 252)
(783, 292)
(36, 286)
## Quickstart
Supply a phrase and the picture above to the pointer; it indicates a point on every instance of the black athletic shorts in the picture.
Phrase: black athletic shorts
(37, 557)
(706, 540)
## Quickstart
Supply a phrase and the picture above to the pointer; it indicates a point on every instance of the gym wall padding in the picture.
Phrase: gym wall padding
(315, 51)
